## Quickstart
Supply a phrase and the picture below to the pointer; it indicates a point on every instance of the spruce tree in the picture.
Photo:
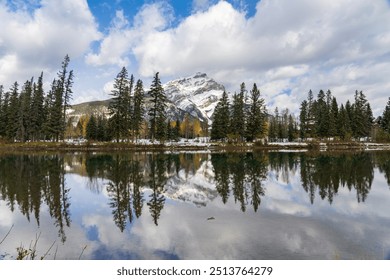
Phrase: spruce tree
(13, 112)
(37, 110)
(256, 116)
(303, 119)
(177, 129)
(139, 110)
(291, 128)
(157, 112)
(64, 90)
(362, 116)
(2, 110)
(118, 108)
(221, 116)
(385, 122)
(129, 107)
(333, 116)
(24, 116)
(92, 129)
(321, 115)
(343, 124)
(238, 114)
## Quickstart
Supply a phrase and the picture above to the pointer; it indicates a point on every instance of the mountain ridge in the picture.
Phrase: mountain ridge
(195, 95)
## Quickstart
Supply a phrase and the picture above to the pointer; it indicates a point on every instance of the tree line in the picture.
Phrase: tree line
(240, 121)
(30, 114)
(27, 113)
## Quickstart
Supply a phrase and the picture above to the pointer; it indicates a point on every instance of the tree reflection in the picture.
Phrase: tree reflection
(325, 173)
(383, 162)
(241, 174)
(29, 180)
(157, 180)
(137, 180)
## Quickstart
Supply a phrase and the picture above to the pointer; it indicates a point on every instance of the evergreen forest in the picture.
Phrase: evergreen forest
(28, 113)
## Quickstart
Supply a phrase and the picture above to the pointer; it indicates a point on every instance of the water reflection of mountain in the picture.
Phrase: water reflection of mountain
(141, 183)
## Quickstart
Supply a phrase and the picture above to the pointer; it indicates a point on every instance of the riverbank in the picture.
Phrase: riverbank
(189, 145)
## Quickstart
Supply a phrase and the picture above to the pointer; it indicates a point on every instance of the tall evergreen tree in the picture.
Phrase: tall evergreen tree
(56, 111)
(129, 107)
(3, 109)
(343, 124)
(238, 114)
(220, 126)
(12, 112)
(321, 115)
(92, 129)
(333, 116)
(303, 119)
(118, 109)
(256, 116)
(157, 112)
(37, 110)
(362, 118)
(64, 90)
(24, 116)
(292, 131)
(385, 122)
(139, 110)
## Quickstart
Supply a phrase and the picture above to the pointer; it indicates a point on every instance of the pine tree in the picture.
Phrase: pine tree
(362, 118)
(129, 113)
(321, 115)
(333, 116)
(37, 110)
(3, 108)
(221, 116)
(118, 108)
(343, 124)
(291, 128)
(139, 110)
(157, 112)
(238, 114)
(56, 111)
(256, 116)
(92, 129)
(303, 119)
(177, 129)
(385, 122)
(12, 112)
(64, 90)
(24, 116)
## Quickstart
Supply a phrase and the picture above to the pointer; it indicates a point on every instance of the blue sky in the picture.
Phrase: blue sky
(286, 47)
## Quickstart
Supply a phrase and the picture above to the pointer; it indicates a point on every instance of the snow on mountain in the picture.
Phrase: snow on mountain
(197, 95)
(197, 188)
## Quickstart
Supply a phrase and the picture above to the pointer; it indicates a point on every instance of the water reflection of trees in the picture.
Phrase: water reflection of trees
(325, 173)
(242, 175)
(138, 180)
(29, 180)
(130, 176)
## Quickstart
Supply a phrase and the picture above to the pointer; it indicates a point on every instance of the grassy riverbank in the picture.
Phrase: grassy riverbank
(188, 146)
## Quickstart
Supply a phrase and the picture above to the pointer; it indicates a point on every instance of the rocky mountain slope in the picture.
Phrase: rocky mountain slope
(197, 95)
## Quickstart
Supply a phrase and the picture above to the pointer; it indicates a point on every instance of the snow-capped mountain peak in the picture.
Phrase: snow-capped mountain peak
(197, 95)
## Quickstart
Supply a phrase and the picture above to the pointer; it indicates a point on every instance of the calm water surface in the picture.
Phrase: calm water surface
(197, 205)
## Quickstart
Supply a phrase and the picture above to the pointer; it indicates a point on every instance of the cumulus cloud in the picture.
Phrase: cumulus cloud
(116, 47)
(287, 47)
(32, 40)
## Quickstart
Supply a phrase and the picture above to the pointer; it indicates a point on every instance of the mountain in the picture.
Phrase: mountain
(197, 95)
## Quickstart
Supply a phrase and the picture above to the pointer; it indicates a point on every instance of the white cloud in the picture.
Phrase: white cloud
(32, 41)
(117, 45)
(200, 5)
(301, 44)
